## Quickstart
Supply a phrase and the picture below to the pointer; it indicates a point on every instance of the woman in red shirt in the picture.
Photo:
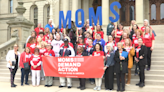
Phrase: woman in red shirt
(36, 67)
(98, 52)
(124, 37)
(25, 58)
(31, 44)
(80, 43)
(139, 34)
(88, 36)
(149, 43)
(46, 33)
(51, 37)
(117, 33)
(99, 31)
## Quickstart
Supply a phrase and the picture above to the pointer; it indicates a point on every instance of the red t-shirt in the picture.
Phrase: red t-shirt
(143, 28)
(119, 33)
(35, 60)
(37, 30)
(135, 41)
(133, 36)
(137, 51)
(98, 53)
(51, 53)
(148, 40)
(47, 36)
(32, 47)
(99, 32)
(42, 51)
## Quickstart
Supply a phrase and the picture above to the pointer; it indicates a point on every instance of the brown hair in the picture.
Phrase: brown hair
(81, 48)
(48, 30)
(36, 50)
(27, 48)
(129, 41)
(139, 30)
(31, 39)
(150, 31)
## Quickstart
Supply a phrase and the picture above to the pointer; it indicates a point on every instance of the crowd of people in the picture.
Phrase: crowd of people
(124, 48)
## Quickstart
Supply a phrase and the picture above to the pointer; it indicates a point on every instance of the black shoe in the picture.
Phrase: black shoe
(69, 87)
(138, 84)
(46, 85)
(13, 85)
(79, 87)
(61, 86)
(26, 84)
(49, 85)
(21, 84)
(142, 85)
(118, 90)
(148, 69)
(82, 88)
(122, 90)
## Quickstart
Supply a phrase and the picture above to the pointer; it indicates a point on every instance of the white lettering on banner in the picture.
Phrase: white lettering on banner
(71, 59)
(68, 69)
(69, 64)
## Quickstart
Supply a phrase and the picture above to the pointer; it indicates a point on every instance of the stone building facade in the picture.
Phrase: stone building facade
(40, 11)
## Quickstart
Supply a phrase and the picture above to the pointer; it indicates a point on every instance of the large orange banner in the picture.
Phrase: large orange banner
(74, 67)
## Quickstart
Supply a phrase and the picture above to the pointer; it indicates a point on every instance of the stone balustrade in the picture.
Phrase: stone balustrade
(5, 47)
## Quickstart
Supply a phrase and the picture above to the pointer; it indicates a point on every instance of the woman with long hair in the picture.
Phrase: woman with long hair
(109, 67)
(59, 32)
(32, 44)
(51, 37)
(133, 22)
(131, 52)
(25, 69)
(12, 59)
(110, 40)
(98, 52)
(46, 33)
(54, 33)
(149, 43)
(117, 33)
(132, 32)
(80, 43)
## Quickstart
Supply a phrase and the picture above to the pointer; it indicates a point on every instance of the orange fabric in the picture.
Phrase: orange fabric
(130, 56)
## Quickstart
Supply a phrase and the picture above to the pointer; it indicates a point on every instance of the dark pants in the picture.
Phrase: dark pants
(122, 76)
(149, 57)
(82, 82)
(142, 74)
(24, 73)
(92, 80)
(136, 68)
(12, 75)
(109, 77)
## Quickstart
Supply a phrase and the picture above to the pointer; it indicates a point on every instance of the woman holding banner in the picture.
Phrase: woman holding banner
(121, 65)
(109, 67)
(98, 52)
(81, 52)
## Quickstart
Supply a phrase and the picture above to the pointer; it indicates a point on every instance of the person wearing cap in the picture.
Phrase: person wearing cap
(49, 25)
(66, 51)
(99, 40)
(39, 29)
(110, 28)
(12, 59)
(49, 79)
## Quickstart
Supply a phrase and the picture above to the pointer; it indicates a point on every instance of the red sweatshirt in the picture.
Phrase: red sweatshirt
(25, 57)
(36, 60)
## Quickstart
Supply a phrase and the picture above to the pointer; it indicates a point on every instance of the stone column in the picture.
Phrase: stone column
(56, 14)
(139, 12)
(85, 6)
(74, 8)
(65, 6)
(105, 16)
(20, 25)
(51, 11)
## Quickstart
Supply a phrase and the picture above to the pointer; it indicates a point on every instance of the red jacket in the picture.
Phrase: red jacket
(37, 30)
(36, 60)
(25, 57)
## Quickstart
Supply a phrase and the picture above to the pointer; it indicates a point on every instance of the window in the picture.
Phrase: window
(11, 6)
(48, 13)
(161, 11)
(123, 18)
(153, 12)
(131, 13)
(35, 17)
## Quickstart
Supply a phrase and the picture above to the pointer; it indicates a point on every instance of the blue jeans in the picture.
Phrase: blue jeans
(24, 73)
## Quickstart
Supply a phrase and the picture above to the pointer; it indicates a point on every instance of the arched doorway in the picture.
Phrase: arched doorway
(95, 4)
(156, 12)
(127, 12)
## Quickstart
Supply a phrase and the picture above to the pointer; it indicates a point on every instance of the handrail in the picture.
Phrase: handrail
(5, 47)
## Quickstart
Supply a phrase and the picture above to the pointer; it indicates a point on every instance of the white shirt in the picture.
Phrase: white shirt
(56, 46)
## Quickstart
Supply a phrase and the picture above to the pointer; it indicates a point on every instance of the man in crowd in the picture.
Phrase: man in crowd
(49, 25)
(39, 29)
(110, 28)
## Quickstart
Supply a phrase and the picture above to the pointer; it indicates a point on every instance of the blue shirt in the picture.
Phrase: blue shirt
(101, 42)
(50, 28)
